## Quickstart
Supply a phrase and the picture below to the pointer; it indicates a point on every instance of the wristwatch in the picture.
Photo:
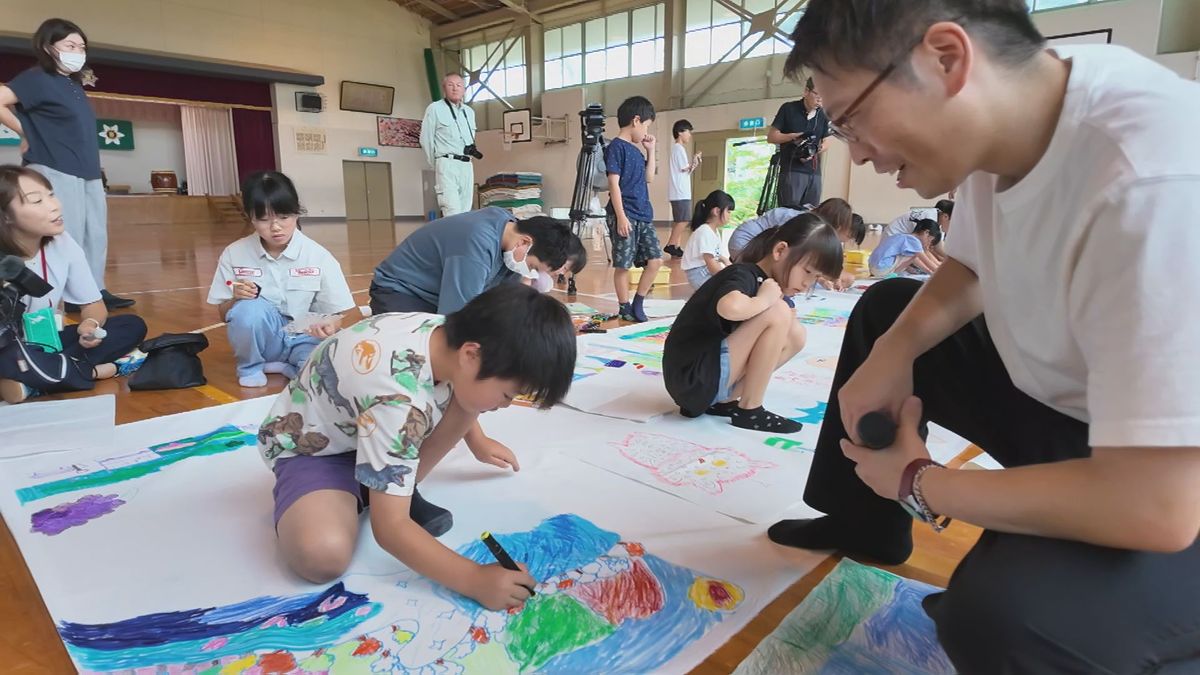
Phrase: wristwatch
(910, 493)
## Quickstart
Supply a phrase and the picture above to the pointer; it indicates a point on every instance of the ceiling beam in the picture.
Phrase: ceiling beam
(433, 7)
(496, 17)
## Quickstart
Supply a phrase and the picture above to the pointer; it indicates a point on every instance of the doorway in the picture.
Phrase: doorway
(369, 212)
(734, 161)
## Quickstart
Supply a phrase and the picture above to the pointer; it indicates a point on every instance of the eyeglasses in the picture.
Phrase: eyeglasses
(840, 128)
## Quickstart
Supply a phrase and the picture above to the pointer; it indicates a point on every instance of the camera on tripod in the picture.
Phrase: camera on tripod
(591, 125)
(472, 151)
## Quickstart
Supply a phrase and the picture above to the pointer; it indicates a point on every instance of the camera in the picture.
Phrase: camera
(17, 281)
(806, 148)
(472, 151)
(591, 125)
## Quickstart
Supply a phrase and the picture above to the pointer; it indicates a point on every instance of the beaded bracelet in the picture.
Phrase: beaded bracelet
(927, 514)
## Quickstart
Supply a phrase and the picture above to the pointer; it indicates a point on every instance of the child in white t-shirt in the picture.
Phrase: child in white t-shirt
(705, 253)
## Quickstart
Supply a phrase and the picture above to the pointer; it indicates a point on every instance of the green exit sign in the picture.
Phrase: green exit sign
(751, 123)
(368, 152)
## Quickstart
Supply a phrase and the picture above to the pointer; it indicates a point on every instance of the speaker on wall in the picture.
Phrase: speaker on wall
(307, 101)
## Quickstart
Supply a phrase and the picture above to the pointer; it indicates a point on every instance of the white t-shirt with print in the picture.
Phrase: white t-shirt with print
(304, 278)
(67, 271)
(369, 390)
(680, 185)
(703, 240)
(1086, 266)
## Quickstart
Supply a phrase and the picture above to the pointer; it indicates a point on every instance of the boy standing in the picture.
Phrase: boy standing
(630, 216)
(375, 409)
(679, 190)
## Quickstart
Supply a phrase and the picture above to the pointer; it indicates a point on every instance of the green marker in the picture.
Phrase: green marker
(502, 556)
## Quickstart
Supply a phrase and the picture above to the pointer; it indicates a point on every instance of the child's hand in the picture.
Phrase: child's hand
(623, 227)
(769, 291)
(244, 290)
(325, 328)
(498, 589)
(492, 451)
(649, 141)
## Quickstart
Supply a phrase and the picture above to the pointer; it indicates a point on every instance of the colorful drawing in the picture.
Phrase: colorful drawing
(603, 605)
(824, 316)
(144, 462)
(678, 462)
(812, 415)
(398, 132)
(57, 519)
(858, 620)
(785, 444)
(800, 378)
(656, 335)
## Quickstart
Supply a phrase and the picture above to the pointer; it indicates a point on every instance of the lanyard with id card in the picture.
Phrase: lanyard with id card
(42, 326)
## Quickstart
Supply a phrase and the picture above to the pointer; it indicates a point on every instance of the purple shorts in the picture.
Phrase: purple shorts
(302, 474)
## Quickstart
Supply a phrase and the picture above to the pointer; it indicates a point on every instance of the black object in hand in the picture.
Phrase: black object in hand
(876, 430)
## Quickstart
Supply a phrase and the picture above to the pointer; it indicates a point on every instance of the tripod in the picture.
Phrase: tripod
(768, 198)
(581, 197)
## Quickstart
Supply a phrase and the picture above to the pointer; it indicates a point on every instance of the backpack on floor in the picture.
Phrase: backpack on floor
(38, 369)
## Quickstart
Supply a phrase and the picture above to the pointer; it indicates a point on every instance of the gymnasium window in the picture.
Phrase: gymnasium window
(509, 76)
(714, 33)
(1039, 5)
(619, 45)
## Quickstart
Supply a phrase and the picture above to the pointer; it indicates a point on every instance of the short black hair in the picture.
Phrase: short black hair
(266, 192)
(551, 239)
(635, 106)
(679, 127)
(930, 226)
(522, 335)
(945, 206)
(870, 34)
(576, 255)
(51, 31)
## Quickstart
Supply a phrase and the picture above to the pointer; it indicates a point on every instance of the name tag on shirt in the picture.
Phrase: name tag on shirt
(247, 271)
(306, 271)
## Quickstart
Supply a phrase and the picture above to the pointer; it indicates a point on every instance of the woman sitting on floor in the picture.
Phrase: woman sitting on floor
(31, 228)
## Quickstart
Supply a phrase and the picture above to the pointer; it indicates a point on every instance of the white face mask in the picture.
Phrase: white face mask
(520, 266)
(72, 62)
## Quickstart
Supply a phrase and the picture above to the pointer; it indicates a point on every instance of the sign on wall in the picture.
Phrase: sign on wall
(115, 134)
(310, 140)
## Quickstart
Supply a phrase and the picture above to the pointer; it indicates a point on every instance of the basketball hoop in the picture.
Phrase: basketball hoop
(517, 127)
(507, 139)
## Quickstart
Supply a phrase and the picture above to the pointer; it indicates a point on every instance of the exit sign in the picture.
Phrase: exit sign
(368, 152)
(751, 123)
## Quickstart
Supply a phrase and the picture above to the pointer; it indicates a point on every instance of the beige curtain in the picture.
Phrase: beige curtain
(208, 150)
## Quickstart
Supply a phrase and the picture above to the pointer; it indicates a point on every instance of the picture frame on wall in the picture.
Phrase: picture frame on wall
(398, 132)
(367, 98)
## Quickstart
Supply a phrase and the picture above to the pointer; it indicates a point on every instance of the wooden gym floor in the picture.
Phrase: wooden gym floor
(168, 268)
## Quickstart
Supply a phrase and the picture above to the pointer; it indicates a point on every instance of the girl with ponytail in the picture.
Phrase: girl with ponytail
(705, 254)
(737, 329)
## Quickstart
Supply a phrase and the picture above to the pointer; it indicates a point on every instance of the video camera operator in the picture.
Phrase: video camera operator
(801, 130)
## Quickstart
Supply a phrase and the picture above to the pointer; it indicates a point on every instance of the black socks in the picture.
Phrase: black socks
(760, 419)
(725, 409)
(827, 532)
(436, 520)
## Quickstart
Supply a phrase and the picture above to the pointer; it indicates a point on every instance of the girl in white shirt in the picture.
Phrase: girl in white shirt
(705, 254)
(31, 228)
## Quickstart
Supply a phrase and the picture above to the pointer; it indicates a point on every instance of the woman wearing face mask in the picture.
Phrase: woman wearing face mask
(48, 109)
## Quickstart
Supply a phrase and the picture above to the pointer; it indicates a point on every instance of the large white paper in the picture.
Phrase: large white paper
(624, 393)
(620, 592)
(37, 426)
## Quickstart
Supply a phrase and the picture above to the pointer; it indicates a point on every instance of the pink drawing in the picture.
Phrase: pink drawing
(802, 379)
(331, 603)
(215, 643)
(678, 462)
(278, 621)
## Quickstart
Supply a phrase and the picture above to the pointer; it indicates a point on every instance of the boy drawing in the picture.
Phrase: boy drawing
(375, 409)
(630, 216)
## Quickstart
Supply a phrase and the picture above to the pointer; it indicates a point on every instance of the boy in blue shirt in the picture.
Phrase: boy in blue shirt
(630, 216)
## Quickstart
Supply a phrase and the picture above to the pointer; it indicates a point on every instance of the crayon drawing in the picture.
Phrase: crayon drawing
(656, 335)
(602, 605)
(824, 316)
(683, 463)
(60, 518)
(812, 415)
(105, 472)
(859, 619)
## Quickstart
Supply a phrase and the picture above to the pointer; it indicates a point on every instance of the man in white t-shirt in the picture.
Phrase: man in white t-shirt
(679, 187)
(1049, 337)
